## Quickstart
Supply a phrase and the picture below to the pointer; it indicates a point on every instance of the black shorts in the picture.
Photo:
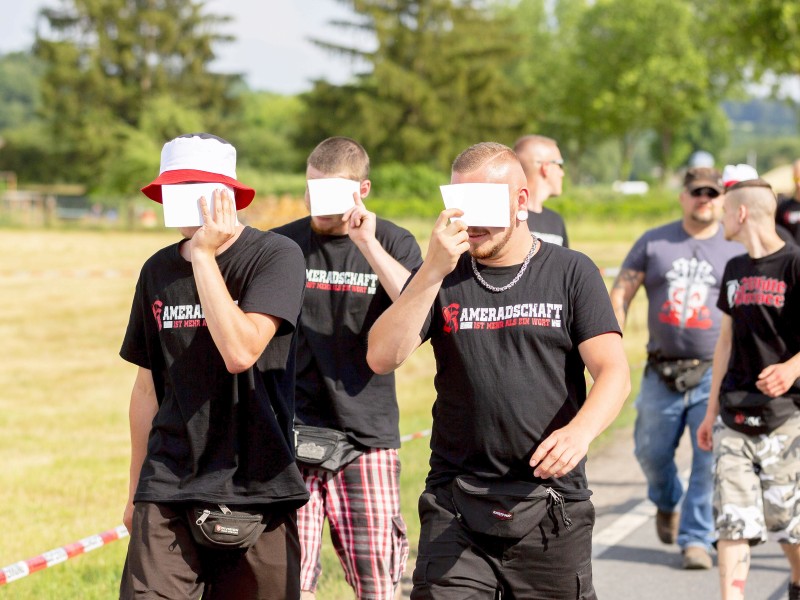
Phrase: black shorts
(549, 563)
(164, 561)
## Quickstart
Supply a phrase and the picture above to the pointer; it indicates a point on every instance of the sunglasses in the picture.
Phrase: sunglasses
(558, 161)
(709, 192)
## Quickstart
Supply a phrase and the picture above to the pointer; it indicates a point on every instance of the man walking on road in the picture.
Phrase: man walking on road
(544, 170)
(513, 321)
(755, 392)
(214, 486)
(680, 265)
(356, 265)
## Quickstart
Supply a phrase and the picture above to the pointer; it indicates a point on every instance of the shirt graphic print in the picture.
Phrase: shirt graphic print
(686, 306)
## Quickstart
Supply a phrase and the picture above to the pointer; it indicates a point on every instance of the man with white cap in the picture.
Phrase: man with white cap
(680, 265)
(213, 483)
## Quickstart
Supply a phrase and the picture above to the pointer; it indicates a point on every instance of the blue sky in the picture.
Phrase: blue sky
(272, 47)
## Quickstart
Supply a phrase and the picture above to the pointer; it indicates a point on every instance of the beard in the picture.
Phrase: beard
(328, 225)
(489, 249)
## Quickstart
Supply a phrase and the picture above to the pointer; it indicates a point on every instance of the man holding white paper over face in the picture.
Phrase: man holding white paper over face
(214, 486)
(513, 322)
(347, 416)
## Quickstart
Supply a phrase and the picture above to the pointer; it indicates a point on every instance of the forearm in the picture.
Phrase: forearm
(622, 292)
(605, 399)
(238, 338)
(794, 364)
(722, 354)
(142, 411)
(395, 335)
(620, 306)
(391, 274)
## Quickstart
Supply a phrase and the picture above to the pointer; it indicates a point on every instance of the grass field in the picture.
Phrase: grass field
(64, 398)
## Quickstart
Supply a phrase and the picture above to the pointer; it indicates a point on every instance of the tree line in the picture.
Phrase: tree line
(107, 81)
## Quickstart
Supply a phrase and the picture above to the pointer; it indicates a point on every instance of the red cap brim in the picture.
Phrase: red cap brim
(244, 195)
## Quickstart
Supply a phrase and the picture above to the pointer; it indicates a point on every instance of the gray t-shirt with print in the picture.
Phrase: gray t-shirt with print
(682, 280)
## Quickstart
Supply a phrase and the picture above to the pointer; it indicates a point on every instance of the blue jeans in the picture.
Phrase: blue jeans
(662, 416)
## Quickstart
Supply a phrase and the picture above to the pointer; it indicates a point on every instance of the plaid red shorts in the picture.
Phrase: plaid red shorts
(362, 505)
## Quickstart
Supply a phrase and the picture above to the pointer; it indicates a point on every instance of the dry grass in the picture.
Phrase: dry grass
(63, 406)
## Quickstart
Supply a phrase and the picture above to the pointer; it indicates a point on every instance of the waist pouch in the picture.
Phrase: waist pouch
(505, 509)
(323, 448)
(755, 413)
(681, 374)
(216, 526)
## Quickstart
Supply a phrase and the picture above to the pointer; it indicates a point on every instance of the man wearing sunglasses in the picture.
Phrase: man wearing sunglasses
(544, 169)
(680, 265)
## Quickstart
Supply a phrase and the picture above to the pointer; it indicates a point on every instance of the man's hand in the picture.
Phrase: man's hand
(560, 452)
(775, 380)
(705, 439)
(361, 222)
(127, 516)
(448, 242)
(216, 229)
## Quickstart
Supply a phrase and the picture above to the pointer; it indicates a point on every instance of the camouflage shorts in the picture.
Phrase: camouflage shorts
(756, 484)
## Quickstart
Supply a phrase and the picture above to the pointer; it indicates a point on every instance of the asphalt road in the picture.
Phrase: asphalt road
(630, 563)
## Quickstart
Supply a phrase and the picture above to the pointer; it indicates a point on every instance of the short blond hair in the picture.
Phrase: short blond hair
(340, 155)
(474, 157)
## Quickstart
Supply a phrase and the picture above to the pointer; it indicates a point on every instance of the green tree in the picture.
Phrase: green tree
(707, 131)
(264, 134)
(755, 38)
(545, 69)
(638, 68)
(112, 67)
(19, 89)
(435, 83)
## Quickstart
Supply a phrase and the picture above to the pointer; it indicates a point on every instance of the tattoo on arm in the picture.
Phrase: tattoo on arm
(625, 286)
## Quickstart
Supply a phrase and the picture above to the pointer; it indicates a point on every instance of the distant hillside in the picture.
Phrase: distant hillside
(764, 117)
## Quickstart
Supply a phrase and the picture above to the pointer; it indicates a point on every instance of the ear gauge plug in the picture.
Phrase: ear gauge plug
(522, 215)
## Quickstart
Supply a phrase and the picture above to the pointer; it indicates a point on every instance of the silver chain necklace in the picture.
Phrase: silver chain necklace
(511, 283)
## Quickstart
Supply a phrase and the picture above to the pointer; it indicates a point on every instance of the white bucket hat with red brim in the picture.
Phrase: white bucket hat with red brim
(199, 158)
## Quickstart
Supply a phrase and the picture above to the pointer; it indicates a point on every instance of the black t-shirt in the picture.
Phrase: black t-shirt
(508, 368)
(343, 298)
(549, 226)
(762, 297)
(219, 437)
(788, 217)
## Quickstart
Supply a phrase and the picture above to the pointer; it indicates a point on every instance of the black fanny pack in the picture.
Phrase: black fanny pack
(755, 413)
(216, 526)
(505, 509)
(323, 448)
(679, 374)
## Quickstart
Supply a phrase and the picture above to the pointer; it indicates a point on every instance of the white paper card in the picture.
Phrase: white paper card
(484, 204)
(331, 195)
(182, 206)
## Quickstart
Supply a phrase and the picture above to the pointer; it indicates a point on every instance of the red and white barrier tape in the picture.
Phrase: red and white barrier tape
(53, 557)
(609, 271)
(415, 436)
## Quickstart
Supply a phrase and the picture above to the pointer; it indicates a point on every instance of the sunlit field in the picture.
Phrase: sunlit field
(63, 405)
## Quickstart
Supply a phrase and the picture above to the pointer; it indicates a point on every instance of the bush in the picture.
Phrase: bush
(602, 203)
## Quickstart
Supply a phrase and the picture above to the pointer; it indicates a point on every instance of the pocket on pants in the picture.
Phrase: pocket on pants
(399, 548)
(585, 585)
